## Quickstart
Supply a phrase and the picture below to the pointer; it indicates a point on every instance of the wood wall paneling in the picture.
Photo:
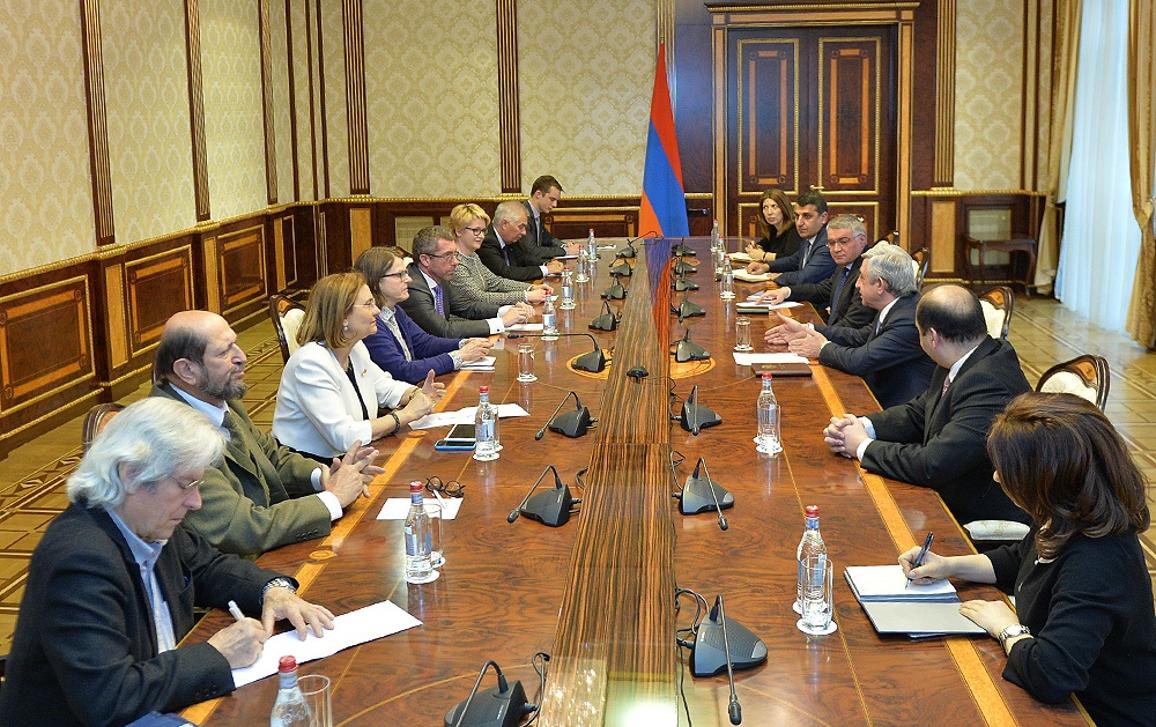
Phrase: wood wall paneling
(116, 328)
(197, 109)
(157, 286)
(768, 123)
(242, 268)
(267, 112)
(97, 122)
(849, 100)
(944, 236)
(355, 97)
(360, 231)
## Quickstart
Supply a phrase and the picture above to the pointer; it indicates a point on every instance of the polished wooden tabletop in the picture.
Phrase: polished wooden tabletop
(598, 593)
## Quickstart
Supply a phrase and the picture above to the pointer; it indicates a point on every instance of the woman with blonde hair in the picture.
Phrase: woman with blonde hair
(1083, 622)
(331, 393)
(472, 280)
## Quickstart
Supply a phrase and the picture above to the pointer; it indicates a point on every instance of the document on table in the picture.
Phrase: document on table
(485, 363)
(396, 508)
(749, 359)
(746, 277)
(919, 619)
(524, 328)
(887, 583)
(349, 629)
(464, 416)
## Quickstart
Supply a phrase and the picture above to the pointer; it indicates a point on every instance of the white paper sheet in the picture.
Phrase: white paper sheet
(746, 359)
(524, 328)
(485, 363)
(464, 416)
(350, 629)
(746, 277)
(887, 583)
(396, 508)
(747, 305)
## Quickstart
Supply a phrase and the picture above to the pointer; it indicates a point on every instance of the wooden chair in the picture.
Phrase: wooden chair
(96, 420)
(1086, 376)
(922, 260)
(998, 303)
(286, 315)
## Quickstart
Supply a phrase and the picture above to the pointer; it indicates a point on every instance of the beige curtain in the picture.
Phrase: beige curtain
(1141, 130)
(1064, 65)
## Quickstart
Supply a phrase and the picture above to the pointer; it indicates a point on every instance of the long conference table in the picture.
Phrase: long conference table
(598, 593)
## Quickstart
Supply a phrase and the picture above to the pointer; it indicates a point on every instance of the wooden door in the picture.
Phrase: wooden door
(812, 107)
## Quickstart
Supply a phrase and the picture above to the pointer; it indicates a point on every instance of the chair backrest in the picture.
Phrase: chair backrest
(921, 260)
(998, 303)
(1086, 376)
(96, 420)
(286, 315)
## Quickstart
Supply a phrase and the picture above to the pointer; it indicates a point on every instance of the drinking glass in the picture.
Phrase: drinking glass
(433, 511)
(315, 688)
(526, 363)
(743, 334)
(818, 597)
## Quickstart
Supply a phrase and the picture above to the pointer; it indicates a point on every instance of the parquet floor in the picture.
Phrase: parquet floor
(32, 477)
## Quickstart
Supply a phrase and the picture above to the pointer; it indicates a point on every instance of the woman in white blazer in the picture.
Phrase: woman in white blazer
(331, 393)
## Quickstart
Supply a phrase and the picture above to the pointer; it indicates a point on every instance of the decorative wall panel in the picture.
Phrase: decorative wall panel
(304, 49)
(336, 121)
(279, 79)
(34, 364)
(988, 83)
(768, 93)
(242, 267)
(431, 95)
(148, 117)
(158, 286)
(234, 128)
(849, 79)
(585, 76)
(45, 187)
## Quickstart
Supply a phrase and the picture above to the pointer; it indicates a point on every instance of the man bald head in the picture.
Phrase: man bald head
(198, 354)
(950, 321)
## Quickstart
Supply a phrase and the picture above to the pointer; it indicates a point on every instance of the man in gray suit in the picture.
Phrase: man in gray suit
(261, 495)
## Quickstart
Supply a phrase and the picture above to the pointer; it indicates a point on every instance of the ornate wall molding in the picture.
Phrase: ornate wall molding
(197, 109)
(509, 133)
(355, 107)
(267, 113)
(97, 122)
(945, 94)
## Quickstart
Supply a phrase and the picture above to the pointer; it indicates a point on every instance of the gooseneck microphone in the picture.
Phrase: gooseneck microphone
(693, 499)
(549, 508)
(629, 251)
(734, 709)
(593, 362)
(504, 706)
(571, 424)
(695, 417)
(690, 351)
(606, 321)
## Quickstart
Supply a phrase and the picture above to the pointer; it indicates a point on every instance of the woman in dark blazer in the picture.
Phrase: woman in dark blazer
(1083, 622)
(387, 278)
(777, 223)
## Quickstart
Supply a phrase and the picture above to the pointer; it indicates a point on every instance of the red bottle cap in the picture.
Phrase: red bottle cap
(483, 389)
(287, 664)
(415, 486)
(766, 375)
(812, 510)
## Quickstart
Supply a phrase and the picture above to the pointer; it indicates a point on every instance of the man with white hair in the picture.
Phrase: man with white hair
(886, 351)
(113, 582)
(502, 250)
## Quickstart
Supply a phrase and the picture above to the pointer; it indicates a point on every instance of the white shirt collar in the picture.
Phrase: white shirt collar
(430, 281)
(215, 414)
(955, 367)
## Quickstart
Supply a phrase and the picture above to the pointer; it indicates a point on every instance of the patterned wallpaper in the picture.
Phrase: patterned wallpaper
(336, 125)
(146, 87)
(44, 168)
(585, 74)
(989, 79)
(234, 129)
(431, 97)
(282, 132)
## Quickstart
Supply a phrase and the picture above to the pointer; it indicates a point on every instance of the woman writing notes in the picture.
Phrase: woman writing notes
(330, 390)
(780, 238)
(1084, 622)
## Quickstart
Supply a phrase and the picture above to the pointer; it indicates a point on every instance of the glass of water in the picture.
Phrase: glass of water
(818, 597)
(743, 334)
(433, 510)
(526, 363)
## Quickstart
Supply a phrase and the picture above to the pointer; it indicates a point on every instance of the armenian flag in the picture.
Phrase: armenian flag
(663, 210)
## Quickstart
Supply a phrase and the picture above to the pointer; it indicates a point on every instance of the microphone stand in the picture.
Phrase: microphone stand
(593, 362)
(734, 709)
(722, 521)
(557, 484)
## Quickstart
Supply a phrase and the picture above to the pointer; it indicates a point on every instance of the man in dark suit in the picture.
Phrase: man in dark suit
(812, 262)
(838, 295)
(502, 250)
(113, 582)
(261, 495)
(545, 194)
(937, 439)
(886, 351)
(431, 303)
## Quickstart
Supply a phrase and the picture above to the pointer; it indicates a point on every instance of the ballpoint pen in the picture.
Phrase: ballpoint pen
(236, 611)
(922, 552)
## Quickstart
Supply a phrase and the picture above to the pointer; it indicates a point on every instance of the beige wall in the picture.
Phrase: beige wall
(585, 74)
(234, 123)
(146, 94)
(44, 167)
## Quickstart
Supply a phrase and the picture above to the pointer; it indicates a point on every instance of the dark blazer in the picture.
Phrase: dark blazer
(890, 360)
(818, 268)
(85, 650)
(849, 310)
(420, 307)
(782, 245)
(515, 262)
(939, 442)
(1090, 610)
(539, 240)
(429, 352)
(259, 497)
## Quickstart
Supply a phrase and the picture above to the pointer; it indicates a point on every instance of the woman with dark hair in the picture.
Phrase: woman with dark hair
(1084, 622)
(777, 223)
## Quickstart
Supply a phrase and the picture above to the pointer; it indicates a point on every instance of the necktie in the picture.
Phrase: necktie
(839, 283)
(438, 304)
(946, 385)
(807, 245)
(506, 254)
(391, 324)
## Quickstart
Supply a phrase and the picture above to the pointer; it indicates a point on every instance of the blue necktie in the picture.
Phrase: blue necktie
(839, 283)
(438, 304)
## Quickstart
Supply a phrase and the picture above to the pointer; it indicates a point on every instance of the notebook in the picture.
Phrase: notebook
(918, 611)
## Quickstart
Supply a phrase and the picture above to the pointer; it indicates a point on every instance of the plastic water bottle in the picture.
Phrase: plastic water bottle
(715, 237)
(591, 249)
(549, 320)
(290, 709)
(583, 263)
(727, 288)
(720, 261)
(767, 440)
(811, 546)
(418, 539)
(488, 445)
(567, 290)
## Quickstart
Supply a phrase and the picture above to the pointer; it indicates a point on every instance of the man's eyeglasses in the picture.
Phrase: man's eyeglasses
(840, 242)
(453, 488)
(187, 485)
(444, 255)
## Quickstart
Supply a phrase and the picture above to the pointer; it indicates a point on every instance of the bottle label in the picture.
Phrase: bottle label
(485, 431)
(412, 542)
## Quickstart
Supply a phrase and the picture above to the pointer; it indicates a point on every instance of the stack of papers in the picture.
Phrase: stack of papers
(916, 610)
(753, 306)
(485, 363)
(740, 257)
(524, 328)
(746, 277)
(396, 508)
(464, 415)
(750, 359)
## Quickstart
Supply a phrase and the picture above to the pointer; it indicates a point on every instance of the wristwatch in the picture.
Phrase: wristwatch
(279, 582)
(1011, 632)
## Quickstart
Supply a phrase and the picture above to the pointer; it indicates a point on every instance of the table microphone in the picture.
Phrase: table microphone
(694, 417)
(629, 251)
(690, 351)
(693, 501)
(549, 508)
(606, 321)
(593, 362)
(503, 707)
(571, 424)
(734, 709)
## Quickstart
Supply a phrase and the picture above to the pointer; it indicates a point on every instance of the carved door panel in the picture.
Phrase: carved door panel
(811, 107)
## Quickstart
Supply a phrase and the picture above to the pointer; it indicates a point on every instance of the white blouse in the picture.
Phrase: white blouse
(317, 407)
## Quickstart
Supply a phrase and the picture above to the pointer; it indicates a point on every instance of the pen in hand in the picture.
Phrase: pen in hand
(919, 558)
(235, 611)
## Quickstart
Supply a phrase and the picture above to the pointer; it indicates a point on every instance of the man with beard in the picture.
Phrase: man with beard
(261, 495)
